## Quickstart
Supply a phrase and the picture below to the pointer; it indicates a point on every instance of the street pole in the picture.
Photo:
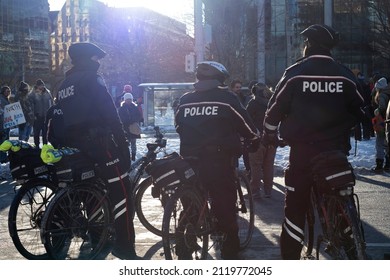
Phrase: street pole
(328, 12)
(198, 28)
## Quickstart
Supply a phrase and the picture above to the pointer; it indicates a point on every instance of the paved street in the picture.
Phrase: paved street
(373, 191)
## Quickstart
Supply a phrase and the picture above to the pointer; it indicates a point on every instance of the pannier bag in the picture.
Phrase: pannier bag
(24, 159)
(171, 170)
(71, 164)
(332, 171)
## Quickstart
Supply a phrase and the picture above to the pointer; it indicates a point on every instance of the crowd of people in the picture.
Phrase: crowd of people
(229, 124)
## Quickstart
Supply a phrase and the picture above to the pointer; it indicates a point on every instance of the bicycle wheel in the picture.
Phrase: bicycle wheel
(344, 232)
(77, 223)
(307, 251)
(25, 217)
(149, 210)
(245, 211)
(186, 226)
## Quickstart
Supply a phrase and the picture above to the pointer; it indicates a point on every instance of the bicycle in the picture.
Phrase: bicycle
(33, 191)
(143, 194)
(78, 223)
(189, 227)
(337, 209)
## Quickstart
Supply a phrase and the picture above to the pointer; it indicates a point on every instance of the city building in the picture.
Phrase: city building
(24, 41)
(141, 45)
(259, 39)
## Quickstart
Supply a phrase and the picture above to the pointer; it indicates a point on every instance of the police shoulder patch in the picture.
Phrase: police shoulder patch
(100, 81)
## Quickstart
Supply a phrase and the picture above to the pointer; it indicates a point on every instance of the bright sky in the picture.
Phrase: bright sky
(178, 9)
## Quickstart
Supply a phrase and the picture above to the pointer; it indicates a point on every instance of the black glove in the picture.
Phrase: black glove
(252, 145)
(270, 139)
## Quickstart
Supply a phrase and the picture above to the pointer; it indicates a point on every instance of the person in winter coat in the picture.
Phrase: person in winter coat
(315, 106)
(262, 160)
(381, 99)
(119, 98)
(25, 98)
(236, 88)
(210, 121)
(130, 116)
(92, 125)
(42, 100)
(364, 129)
(4, 132)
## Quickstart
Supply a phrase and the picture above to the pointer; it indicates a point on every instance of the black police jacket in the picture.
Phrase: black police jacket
(55, 125)
(316, 100)
(211, 120)
(87, 107)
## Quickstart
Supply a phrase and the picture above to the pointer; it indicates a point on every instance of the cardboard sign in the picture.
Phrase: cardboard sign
(13, 115)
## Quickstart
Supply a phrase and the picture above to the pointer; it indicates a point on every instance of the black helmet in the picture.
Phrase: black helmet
(85, 50)
(322, 35)
(211, 70)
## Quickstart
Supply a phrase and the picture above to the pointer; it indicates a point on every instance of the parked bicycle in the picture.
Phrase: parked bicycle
(78, 223)
(336, 206)
(189, 227)
(143, 194)
(35, 186)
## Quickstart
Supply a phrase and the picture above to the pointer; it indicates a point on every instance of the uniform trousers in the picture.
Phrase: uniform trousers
(217, 176)
(113, 167)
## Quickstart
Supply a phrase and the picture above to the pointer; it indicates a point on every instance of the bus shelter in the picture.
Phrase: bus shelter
(159, 101)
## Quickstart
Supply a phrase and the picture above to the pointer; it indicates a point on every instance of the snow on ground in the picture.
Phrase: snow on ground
(363, 159)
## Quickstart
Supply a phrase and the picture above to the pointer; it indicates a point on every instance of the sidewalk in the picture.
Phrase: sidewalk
(265, 240)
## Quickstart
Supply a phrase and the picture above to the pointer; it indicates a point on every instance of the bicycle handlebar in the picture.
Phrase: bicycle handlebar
(160, 142)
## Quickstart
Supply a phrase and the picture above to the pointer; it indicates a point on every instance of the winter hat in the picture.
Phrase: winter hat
(251, 84)
(23, 86)
(127, 95)
(39, 82)
(258, 88)
(381, 83)
(127, 88)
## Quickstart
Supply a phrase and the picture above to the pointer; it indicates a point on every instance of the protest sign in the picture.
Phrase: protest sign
(13, 115)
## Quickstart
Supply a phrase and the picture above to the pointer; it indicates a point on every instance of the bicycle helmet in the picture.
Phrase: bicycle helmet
(321, 35)
(211, 70)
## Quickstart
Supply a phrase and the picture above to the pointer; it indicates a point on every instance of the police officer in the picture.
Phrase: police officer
(91, 124)
(210, 121)
(316, 103)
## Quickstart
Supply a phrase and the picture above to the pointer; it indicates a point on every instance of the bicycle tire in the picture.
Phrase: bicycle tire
(307, 252)
(245, 217)
(149, 210)
(186, 229)
(25, 217)
(344, 232)
(77, 223)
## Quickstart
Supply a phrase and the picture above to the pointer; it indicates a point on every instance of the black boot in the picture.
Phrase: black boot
(387, 164)
(133, 157)
(379, 166)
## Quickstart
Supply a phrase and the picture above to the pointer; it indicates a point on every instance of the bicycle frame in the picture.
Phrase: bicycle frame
(139, 165)
(188, 220)
(339, 217)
